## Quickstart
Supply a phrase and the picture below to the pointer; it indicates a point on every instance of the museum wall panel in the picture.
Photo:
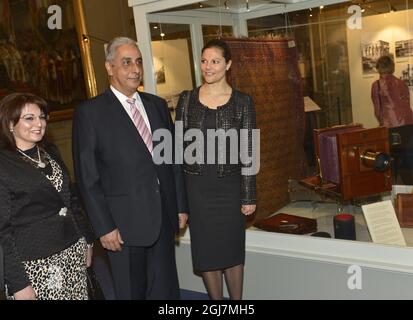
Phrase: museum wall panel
(172, 67)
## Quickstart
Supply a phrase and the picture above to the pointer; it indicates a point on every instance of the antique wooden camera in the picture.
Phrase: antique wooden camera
(353, 162)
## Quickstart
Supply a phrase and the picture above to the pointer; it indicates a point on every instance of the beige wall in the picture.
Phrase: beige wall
(393, 27)
(60, 133)
(105, 20)
(174, 55)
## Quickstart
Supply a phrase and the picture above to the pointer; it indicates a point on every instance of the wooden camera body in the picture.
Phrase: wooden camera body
(353, 162)
(404, 209)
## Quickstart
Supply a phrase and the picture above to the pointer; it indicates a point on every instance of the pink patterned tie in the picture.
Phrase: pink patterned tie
(140, 124)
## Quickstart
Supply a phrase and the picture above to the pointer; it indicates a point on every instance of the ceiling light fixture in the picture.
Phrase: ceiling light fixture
(247, 5)
(161, 33)
(226, 5)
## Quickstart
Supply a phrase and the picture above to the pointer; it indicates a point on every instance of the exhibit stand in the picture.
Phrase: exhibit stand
(284, 266)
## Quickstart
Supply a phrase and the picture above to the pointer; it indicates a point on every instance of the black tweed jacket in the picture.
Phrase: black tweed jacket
(238, 113)
(30, 224)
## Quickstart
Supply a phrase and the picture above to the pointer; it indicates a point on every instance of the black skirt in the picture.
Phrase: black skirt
(216, 224)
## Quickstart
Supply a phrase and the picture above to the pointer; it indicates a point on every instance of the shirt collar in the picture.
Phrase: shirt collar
(121, 97)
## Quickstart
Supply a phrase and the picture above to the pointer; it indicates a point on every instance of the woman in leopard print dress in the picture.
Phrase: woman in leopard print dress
(43, 232)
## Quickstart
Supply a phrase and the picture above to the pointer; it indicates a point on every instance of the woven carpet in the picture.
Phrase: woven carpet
(268, 71)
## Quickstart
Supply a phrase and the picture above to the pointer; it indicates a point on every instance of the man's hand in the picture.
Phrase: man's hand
(25, 294)
(183, 218)
(112, 241)
(248, 209)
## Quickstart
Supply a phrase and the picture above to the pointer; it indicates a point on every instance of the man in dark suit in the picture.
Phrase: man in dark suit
(133, 203)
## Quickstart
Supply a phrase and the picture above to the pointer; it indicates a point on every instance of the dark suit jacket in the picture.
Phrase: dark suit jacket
(116, 175)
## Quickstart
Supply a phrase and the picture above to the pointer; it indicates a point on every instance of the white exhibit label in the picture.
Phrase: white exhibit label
(382, 222)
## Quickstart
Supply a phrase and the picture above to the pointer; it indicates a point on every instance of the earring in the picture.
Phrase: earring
(11, 130)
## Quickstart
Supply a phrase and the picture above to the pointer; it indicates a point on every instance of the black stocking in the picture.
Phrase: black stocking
(234, 279)
(213, 284)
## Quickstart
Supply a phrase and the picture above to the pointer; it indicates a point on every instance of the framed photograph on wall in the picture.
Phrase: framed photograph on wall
(44, 55)
(404, 48)
(370, 52)
(406, 74)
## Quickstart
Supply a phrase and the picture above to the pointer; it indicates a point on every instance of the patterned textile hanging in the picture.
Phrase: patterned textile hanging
(268, 71)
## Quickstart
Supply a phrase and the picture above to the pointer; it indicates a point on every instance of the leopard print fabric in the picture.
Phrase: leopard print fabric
(61, 276)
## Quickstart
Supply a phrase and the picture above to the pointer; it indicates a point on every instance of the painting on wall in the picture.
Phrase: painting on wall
(159, 70)
(370, 52)
(40, 59)
(172, 101)
(404, 48)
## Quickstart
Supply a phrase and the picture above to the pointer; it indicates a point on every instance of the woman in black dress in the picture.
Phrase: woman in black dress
(45, 237)
(220, 193)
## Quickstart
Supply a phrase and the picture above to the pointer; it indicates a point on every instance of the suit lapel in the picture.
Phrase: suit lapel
(118, 114)
(121, 117)
(151, 112)
(153, 115)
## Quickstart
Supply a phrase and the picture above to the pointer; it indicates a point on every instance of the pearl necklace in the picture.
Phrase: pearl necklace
(40, 163)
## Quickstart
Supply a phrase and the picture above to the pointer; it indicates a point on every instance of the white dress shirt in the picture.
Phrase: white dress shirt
(138, 102)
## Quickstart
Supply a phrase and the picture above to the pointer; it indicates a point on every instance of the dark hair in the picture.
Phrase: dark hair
(11, 107)
(219, 44)
(385, 65)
